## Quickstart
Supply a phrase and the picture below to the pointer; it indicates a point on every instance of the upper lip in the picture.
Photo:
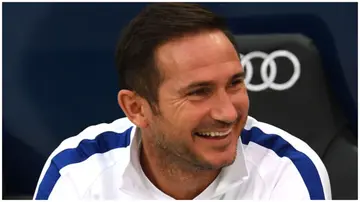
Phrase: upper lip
(216, 131)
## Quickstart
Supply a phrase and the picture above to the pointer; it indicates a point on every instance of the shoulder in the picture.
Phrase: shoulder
(81, 158)
(96, 139)
(287, 152)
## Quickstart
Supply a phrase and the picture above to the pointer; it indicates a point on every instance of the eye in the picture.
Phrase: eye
(236, 83)
(200, 92)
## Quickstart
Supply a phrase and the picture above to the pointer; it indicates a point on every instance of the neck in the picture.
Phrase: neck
(172, 177)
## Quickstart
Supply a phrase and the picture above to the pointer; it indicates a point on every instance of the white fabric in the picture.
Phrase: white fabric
(258, 173)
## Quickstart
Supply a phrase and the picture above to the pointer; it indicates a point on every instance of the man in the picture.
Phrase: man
(187, 133)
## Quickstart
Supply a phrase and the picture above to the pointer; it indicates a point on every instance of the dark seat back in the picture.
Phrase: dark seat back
(288, 88)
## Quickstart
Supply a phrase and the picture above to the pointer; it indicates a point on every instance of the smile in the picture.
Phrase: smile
(214, 134)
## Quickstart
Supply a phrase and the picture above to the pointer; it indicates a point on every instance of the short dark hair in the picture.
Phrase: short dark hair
(154, 26)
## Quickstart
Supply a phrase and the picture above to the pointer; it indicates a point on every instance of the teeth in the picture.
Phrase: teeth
(214, 134)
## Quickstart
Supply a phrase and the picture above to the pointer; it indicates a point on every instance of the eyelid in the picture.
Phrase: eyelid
(236, 81)
(202, 91)
(205, 90)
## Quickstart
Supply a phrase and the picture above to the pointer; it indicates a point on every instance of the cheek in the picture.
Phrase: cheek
(186, 116)
(241, 101)
(180, 111)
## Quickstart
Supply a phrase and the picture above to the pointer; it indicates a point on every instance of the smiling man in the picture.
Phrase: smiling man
(187, 133)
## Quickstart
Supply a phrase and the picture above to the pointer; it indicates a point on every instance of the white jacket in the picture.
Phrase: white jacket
(101, 163)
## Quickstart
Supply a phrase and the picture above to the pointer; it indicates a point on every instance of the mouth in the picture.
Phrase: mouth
(213, 134)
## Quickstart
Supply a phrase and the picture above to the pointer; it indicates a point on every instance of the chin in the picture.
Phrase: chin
(226, 162)
(217, 166)
(217, 158)
(219, 161)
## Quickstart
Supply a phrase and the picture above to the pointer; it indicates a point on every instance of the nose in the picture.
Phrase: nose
(223, 108)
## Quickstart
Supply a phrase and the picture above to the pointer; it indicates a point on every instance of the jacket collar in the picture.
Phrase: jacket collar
(230, 176)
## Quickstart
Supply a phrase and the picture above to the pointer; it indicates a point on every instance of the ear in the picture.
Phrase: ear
(132, 106)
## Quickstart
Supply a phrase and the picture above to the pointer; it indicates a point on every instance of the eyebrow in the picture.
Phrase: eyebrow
(240, 75)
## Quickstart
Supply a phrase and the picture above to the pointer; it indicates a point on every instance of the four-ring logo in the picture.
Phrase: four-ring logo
(269, 61)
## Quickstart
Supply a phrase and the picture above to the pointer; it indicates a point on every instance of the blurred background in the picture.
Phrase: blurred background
(59, 77)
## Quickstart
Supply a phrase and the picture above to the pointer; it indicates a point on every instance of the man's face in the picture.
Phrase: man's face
(203, 101)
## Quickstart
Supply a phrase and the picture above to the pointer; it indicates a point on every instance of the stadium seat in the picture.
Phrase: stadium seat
(315, 28)
(59, 78)
(288, 88)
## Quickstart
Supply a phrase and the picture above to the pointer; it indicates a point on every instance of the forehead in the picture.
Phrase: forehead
(201, 52)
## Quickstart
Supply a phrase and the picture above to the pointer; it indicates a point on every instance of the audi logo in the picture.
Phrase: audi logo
(269, 61)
